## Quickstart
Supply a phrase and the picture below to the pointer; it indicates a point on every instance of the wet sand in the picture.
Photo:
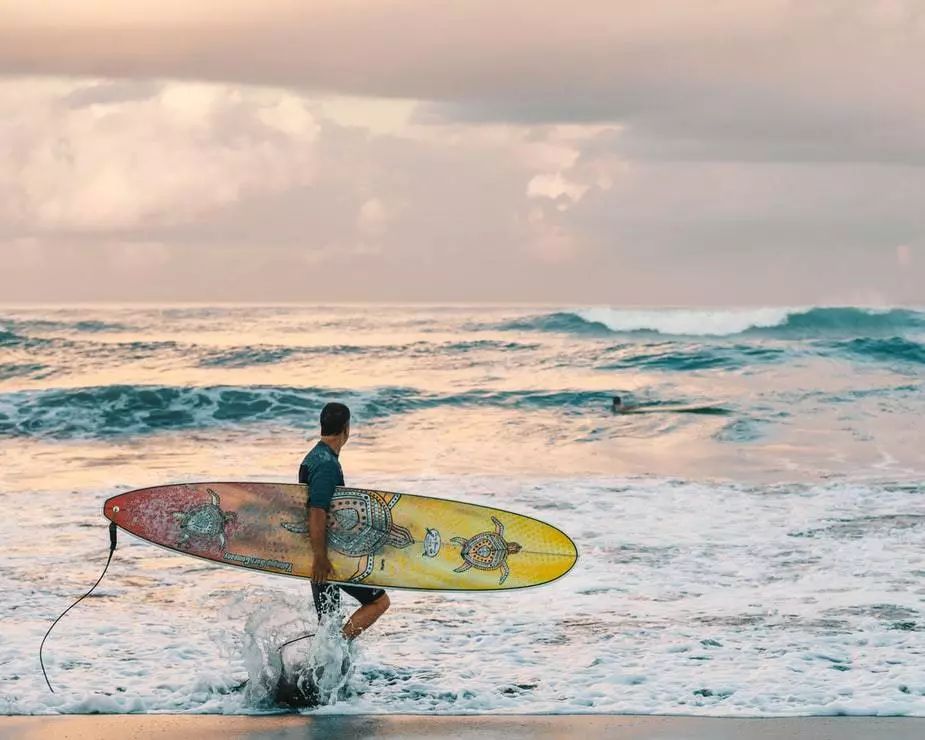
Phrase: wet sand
(481, 727)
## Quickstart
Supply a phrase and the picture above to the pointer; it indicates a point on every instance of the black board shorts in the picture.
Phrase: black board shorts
(327, 596)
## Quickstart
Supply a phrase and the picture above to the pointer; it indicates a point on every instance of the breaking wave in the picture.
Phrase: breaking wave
(783, 323)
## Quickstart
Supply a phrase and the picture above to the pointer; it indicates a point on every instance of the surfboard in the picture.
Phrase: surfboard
(375, 538)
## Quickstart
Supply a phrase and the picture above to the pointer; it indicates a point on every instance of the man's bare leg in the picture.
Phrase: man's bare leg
(364, 617)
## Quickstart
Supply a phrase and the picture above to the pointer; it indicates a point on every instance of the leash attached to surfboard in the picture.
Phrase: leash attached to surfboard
(112, 548)
(113, 529)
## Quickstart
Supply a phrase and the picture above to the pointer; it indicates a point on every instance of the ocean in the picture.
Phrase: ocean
(751, 532)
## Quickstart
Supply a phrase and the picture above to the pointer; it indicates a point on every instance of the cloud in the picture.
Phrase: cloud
(119, 155)
(555, 186)
(171, 190)
(373, 218)
(103, 92)
(765, 80)
(260, 188)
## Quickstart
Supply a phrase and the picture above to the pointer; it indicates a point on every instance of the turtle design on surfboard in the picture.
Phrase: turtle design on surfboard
(204, 520)
(360, 525)
(487, 551)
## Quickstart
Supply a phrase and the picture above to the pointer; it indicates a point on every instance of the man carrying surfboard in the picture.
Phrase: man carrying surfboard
(322, 471)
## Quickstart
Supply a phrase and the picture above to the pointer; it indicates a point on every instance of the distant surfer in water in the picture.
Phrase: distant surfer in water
(322, 471)
(619, 406)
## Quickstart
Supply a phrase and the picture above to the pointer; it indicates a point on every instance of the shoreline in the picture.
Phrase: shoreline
(459, 727)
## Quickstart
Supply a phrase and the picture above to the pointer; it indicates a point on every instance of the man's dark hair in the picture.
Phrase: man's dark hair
(617, 400)
(334, 419)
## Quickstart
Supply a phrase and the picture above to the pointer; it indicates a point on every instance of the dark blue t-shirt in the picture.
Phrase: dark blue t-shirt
(321, 470)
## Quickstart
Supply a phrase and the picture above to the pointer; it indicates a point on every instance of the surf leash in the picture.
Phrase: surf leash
(112, 549)
(289, 642)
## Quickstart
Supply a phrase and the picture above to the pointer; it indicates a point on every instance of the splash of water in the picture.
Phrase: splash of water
(305, 673)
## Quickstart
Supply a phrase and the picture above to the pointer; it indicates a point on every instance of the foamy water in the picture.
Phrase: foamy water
(762, 557)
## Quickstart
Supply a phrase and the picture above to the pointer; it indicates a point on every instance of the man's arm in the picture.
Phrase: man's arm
(321, 484)
(317, 533)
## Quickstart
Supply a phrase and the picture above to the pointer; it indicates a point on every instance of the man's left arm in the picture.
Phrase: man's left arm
(318, 535)
(321, 484)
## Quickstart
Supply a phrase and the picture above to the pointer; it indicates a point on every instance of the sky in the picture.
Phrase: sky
(595, 152)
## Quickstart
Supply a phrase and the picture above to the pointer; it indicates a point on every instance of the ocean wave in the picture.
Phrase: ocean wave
(85, 326)
(9, 338)
(851, 322)
(73, 352)
(684, 357)
(784, 323)
(11, 370)
(673, 358)
(17, 333)
(132, 410)
(891, 349)
(97, 326)
(246, 356)
(560, 322)
(237, 357)
(126, 410)
(486, 344)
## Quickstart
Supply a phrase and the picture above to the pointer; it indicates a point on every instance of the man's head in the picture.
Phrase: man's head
(335, 421)
(617, 402)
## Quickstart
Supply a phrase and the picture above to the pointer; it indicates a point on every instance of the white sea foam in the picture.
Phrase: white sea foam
(688, 598)
(688, 322)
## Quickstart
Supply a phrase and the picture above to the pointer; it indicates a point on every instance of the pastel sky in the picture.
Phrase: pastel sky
(598, 151)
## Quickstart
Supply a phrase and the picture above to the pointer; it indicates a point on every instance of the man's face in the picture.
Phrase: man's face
(346, 433)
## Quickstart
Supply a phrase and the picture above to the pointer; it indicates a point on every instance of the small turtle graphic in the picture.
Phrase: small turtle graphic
(360, 525)
(487, 551)
(204, 520)
(431, 543)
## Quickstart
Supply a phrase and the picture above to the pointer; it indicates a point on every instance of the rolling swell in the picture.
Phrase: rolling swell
(671, 357)
(9, 338)
(85, 326)
(560, 322)
(238, 357)
(247, 357)
(779, 323)
(682, 357)
(125, 410)
(10, 370)
(103, 412)
(858, 322)
(892, 349)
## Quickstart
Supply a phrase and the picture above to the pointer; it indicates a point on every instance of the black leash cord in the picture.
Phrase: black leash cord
(112, 549)
(289, 642)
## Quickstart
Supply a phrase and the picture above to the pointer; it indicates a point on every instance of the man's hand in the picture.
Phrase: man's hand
(321, 570)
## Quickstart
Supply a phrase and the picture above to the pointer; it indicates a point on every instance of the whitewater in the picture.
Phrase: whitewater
(752, 534)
